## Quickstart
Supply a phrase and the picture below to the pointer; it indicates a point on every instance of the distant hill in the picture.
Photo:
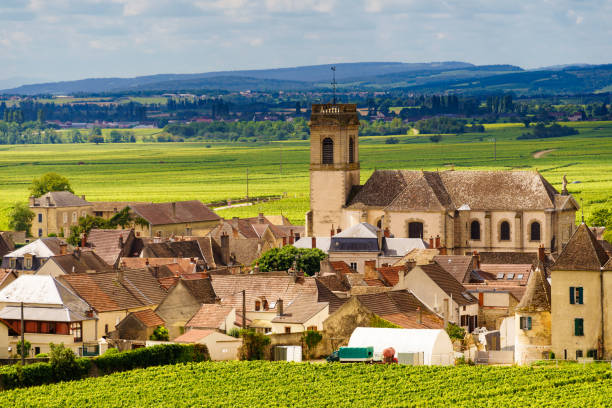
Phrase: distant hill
(447, 76)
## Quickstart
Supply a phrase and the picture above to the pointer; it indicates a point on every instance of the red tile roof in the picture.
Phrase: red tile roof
(175, 213)
(149, 318)
(390, 274)
(193, 335)
(209, 316)
(341, 267)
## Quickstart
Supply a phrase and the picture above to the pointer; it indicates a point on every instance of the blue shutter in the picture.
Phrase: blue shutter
(571, 295)
(529, 323)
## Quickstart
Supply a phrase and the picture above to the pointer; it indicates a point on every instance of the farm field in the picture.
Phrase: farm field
(210, 171)
(276, 384)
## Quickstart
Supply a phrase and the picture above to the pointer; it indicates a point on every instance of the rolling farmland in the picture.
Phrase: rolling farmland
(210, 171)
(276, 384)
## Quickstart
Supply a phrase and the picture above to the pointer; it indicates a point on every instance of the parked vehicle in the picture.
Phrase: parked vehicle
(352, 355)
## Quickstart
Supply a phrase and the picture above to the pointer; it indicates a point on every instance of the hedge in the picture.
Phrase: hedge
(17, 376)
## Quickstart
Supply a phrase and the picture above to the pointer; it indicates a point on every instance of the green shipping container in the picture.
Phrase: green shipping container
(356, 353)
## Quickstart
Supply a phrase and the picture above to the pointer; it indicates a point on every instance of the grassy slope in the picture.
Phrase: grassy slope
(182, 171)
(248, 384)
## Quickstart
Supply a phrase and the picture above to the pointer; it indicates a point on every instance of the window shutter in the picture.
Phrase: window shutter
(579, 295)
(571, 295)
(575, 327)
(529, 323)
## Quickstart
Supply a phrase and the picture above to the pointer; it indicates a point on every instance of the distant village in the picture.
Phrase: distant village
(481, 266)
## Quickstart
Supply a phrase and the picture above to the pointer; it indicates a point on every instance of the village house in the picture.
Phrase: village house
(138, 325)
(113, 295)
(111, 245)
(56, 211)
(32, 256)
(467, 210)
(581, 293)
(77, 261)
(191, 218)
(53, 313)
(108, 209)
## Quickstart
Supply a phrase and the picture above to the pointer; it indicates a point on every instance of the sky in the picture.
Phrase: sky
(52, 40)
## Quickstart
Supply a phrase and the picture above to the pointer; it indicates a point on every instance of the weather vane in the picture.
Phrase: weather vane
(334, 82)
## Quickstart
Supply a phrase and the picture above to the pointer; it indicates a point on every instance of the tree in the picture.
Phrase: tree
(123, 218)
(95, 135)
(20, 217)
(281, 259)
(160, 334)
(23, 349)
(116, 136)
(435, 138)
(49, 182)
(63, 362)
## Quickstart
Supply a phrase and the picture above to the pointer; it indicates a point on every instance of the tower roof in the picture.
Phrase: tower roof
(537, 294)
(582, 252)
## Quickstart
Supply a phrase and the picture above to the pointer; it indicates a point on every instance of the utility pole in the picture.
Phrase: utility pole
(22, 337)
(247, 182)
(244, 309)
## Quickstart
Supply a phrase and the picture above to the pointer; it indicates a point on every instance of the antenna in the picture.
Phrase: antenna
(334, 83)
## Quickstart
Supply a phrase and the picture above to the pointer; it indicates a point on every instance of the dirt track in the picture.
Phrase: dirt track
(542, 153)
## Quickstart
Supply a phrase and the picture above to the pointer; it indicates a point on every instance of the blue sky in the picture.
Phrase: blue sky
(73, 39)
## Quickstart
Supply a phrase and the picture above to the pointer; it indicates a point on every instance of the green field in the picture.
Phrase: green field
(266, 384)
(183, 171)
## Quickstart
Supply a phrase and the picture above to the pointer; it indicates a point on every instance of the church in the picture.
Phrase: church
(465, 211)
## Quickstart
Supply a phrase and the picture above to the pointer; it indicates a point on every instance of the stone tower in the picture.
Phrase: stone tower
(334, 165)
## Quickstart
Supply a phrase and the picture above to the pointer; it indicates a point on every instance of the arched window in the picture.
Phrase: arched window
(328, 151)
(475, 231)
(504, 231)
(351, 150)
(535, 231)
(415, 230)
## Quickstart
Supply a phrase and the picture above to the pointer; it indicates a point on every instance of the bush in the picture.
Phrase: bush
(111, 351)
(63, 362)
(160, 334)
(41, 355)
(541, 131)
(254, 345)
(392, 140)
(455, 332)
(234, 332)
(435, 138)
(311, 338)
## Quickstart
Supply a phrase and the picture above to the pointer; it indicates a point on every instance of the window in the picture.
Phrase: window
(28, 262)
(312, 328)
(354, 266)
(328, 151)
(519, 276)
(40, 217)
(510, 276)
(106, 329)
(287, 329)
(76, 329)
(576, 295)
(415, 230)
(525, 323)
(578, 327)
(592, 353)
(267, 330)
(40, 234)
(534, 231)
(351, 150)
(578, 354)
(257, 305)
(500, 276)
(65, 217)
(74, 217)
(504, 231)
(13, 263)
(475, 231)
(36, 351)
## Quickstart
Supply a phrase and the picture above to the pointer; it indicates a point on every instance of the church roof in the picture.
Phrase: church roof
(582, 252)
(400, 190)
(537, 293)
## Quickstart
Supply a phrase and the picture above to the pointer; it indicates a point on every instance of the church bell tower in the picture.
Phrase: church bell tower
(334, 165)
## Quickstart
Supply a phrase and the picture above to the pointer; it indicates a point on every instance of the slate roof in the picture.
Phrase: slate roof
(111, 206)
(108, 291)
(322, 243)
(60, 199)
(85, 261)
(201, 289)
(402, 190)
(448, 284)
(185, 212)
(105, 242)
(361, 230)
(148, 317)
(459, 266)
(537, 293)
(582, 252)
(400, 307)
(209, 316)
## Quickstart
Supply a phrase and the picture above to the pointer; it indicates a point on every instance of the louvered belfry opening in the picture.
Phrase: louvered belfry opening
(328, 151)
(351, 150)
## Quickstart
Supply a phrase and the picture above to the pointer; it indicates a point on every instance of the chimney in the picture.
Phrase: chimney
(332, 231)
(291, 238)
(541, 253)
(120, 242)
(256, 268)
(84, 240)
(32, 201)
(63, 248)
(387, 232)
(260, 218)
(370, 270)
(313, 243)
(338, 230)
(225, 249)
(235, 233)
(83, 197)
(476, 256)
(48, 199)
(279, 306)
(173, 209)
(445, 313)
(442, 250)
(431, 242)
(437, 241)
(419, 315)
(147, 261)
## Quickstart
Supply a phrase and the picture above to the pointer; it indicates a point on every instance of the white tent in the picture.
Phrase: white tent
(435, 344)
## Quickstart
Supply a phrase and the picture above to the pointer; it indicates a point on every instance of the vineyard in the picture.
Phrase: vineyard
(254, 384)
(216, 171)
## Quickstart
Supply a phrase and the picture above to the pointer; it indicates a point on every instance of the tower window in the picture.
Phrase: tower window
(328, 151)
(475, 231)
(535, 231)
(351, 150)
(415, 230)
(504, 231)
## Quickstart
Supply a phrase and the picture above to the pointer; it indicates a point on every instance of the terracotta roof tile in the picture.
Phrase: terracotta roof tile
(149, 318)
(176, 249)
(183, 212)
(401, 308)
(448, 284)
(193, 335)
(341, 267)
(209, 316)
(537, 293)
(459, 266)
(390, 274)
(105, 243)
